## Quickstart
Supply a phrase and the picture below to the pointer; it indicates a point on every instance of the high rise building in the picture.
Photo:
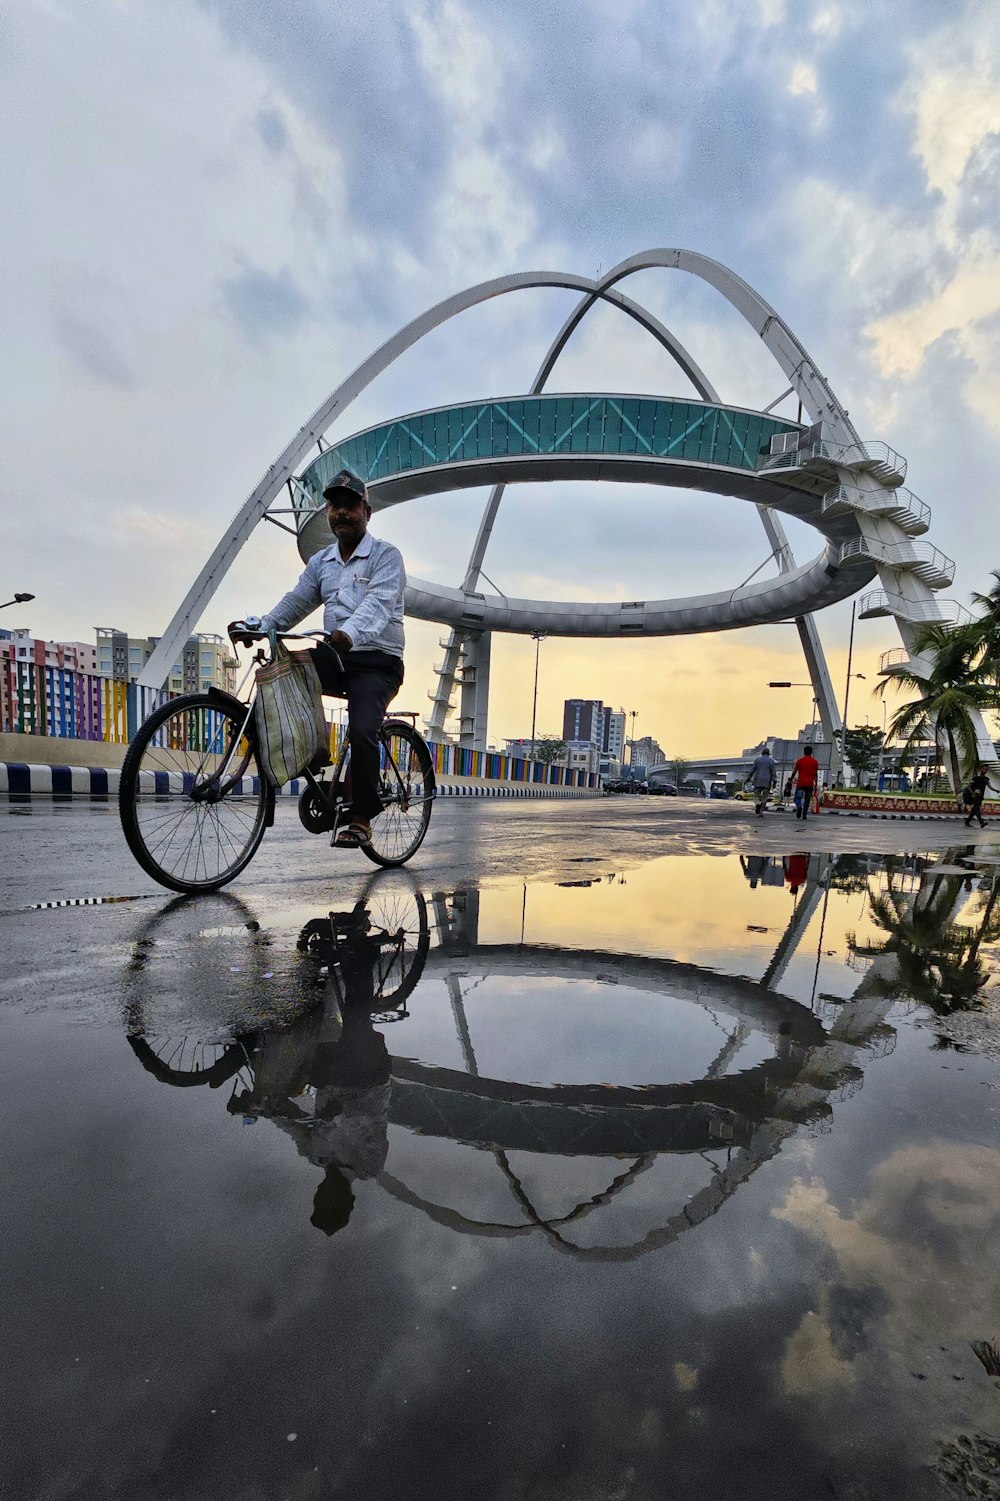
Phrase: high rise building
(583, 720)
(613, 743)
(207, 661)
(647, 752)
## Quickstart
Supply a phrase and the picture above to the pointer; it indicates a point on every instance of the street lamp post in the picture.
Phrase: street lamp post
(815, 707)
(19, 599)
(538, 637)
(881, 749)
(633, 714)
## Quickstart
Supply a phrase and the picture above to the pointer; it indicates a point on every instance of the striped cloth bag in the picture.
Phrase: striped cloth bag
(291, 724)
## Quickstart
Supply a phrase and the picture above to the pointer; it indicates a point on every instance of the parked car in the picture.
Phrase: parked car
(692, 789)
(662, 789)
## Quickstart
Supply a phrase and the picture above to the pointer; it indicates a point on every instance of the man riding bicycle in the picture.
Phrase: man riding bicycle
(359, 580)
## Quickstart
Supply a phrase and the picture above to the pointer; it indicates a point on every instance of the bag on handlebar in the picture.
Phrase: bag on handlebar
(291, 724)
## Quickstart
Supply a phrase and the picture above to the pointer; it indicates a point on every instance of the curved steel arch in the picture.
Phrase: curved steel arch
(253, 509)
(448, 671)
(806, 380)
(812, 648)
(156, 670)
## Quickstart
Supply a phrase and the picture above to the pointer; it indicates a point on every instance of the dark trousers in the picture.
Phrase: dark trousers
(370, 681)
(976, 810)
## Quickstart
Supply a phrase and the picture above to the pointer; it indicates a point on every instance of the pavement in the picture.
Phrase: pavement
(54, 852)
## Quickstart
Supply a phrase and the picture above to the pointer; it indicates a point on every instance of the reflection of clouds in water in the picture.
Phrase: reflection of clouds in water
(916, 1268)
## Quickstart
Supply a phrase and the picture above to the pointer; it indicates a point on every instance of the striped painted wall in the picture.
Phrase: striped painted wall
(64, 704)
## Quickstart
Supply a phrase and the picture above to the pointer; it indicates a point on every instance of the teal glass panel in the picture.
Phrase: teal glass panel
(661, 426)
(428, 437)
(727, 446)
(691, 441)
(647, 411)
(515, 428)
(564, 419)
(466, 427)
(501, 431)
(596, 426)
(389, 462)
(439, 440)
(707, 435)
(552, 424)
(455, 429)
(578, 435)
(546, 426)
(612, 428)
(484, 432)
(679, 419)
(630, 417)
(406, 447)
(750, 431)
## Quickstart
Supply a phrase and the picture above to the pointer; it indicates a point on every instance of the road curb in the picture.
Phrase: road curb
(21, 781)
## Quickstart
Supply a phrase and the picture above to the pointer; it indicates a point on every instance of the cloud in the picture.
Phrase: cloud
(265, 304)
(93, 347)
(908, 1284)
(273, 130)
(227, 206)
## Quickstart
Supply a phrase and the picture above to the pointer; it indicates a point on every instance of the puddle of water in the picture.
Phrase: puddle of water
(598, 1189)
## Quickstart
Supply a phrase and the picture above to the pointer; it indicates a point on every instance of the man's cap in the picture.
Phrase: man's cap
(345, 480)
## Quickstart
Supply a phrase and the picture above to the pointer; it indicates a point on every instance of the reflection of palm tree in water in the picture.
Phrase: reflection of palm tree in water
(937, 959)
(325, 1081)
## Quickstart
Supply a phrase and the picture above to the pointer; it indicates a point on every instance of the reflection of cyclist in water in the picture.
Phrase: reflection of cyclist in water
(326, 1080)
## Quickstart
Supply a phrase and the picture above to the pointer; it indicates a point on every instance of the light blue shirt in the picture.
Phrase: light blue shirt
(362, 597)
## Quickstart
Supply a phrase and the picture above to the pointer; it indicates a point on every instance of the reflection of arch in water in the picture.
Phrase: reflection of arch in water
(747, 1115)
(761, 1108)
(605, 1119)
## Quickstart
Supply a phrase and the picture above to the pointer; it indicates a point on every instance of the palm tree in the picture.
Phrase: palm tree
(946, 697)
(987, 624)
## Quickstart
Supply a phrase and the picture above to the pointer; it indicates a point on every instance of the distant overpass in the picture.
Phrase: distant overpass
(736, 769)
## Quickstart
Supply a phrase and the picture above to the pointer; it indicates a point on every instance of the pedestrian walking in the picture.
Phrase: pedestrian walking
(974, 794)
(763, 776)
(806, 773)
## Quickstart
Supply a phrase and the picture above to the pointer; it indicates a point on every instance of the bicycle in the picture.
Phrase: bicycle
(195, 803)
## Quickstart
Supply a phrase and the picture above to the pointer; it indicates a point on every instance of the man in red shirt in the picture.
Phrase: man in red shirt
(806, 776)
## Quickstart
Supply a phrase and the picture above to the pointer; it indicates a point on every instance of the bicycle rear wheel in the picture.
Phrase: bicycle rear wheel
(407, 788)
(193, 798)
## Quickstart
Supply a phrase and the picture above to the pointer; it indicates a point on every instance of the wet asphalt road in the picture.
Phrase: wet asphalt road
(646, 1178)
(50, 852)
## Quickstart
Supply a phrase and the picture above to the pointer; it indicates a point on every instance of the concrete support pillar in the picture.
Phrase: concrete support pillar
(475, 703)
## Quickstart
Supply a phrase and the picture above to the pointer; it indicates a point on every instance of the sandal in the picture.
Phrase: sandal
(354, 836)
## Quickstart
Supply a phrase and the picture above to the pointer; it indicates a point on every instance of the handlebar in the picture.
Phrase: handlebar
(248, 637)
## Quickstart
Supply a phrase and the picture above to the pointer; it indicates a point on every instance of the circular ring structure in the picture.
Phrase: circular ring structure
(849, 496)
(651, 440)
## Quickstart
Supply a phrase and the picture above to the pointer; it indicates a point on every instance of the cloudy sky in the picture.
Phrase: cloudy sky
(214, 210)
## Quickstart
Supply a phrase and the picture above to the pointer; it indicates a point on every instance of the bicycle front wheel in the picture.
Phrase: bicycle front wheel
(193, 798)
(407, 788)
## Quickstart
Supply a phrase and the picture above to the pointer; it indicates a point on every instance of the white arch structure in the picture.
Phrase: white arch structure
(859, 487)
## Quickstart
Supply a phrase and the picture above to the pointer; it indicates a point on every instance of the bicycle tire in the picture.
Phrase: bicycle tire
(186, 841)
(408, 787)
